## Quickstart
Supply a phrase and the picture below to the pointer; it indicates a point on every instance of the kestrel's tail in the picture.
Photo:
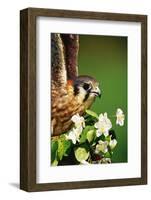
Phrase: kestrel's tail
(64, 58)
(58, 68)
(71, 47)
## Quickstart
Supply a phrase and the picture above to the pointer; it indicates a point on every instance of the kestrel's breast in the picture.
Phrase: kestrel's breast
(64, 105)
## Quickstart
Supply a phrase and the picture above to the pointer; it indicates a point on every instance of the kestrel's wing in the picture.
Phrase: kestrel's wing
(71, 46)
(58, 69)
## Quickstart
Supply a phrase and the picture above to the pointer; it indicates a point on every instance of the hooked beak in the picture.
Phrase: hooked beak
(96, 91)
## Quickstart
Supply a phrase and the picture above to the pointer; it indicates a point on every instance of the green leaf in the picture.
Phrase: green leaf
(81, 154)
(86, 146)
(54, 163)
(54, 147)
(83, 137)
(90, 135)
(89, 120)
(93, 114)
(107, 155)
(108, 138)
(102, 137)
(60, 149)
(67, 146)
(63, 146)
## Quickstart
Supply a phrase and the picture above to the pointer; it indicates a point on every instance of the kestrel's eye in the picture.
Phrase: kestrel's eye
(86, 86)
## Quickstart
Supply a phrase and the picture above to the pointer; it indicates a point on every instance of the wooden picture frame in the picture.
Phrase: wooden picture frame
(28, 98)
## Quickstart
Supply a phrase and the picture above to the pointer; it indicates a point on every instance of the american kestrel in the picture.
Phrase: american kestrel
(70, 93)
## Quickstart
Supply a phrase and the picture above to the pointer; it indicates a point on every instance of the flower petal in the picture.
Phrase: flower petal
(104, 124)
(98, 133)
(113, 143)
(84, 162)
(106, 133)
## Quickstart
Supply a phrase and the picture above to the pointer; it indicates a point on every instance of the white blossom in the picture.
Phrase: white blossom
(78, 120)
(113, 143)
(101, 147)
(74, 134)
(103, 125)
(120, 117)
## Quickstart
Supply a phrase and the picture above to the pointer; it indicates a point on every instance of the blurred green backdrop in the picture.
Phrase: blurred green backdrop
(105, 59)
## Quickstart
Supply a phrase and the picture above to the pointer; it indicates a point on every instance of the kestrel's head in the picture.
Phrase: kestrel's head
(86, 88)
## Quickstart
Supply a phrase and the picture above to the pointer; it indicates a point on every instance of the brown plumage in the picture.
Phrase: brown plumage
(70, 93)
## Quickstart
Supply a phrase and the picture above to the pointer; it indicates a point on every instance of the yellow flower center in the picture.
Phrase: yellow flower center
(102, 129)
(120, 117)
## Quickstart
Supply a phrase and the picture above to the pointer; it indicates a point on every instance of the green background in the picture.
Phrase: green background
(105, 59)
